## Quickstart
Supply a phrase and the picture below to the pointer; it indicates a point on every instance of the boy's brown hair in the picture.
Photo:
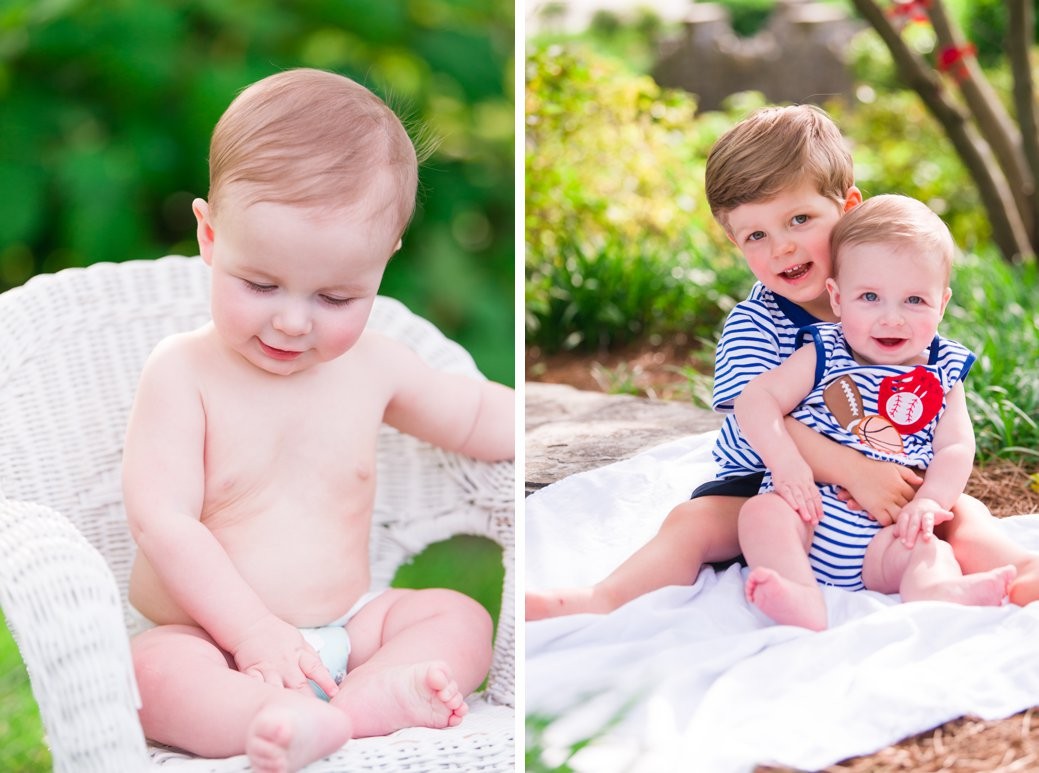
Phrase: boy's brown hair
(773, 149)
(899, 221)
(314, 139)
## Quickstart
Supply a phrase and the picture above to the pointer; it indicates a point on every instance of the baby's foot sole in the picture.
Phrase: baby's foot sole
(786, 602)
(288, 735)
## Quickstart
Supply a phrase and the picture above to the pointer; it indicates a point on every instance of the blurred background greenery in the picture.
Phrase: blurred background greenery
(106, 108)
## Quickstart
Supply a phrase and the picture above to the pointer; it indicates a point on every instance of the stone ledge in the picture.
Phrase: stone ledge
(569, 430)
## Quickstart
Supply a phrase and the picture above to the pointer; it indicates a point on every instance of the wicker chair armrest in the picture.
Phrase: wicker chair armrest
(62, 605)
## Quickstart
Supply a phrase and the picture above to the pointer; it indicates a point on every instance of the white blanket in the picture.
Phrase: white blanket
(695, 678)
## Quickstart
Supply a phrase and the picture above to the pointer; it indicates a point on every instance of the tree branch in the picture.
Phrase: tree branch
(1008, 229)
(1020, 34)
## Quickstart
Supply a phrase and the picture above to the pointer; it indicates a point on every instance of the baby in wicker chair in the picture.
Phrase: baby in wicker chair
(249, 465)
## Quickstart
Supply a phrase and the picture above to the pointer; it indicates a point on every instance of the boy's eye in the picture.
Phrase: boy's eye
(914, 300)
(799, 219)
(332, 300)
(870, 296)
(756, 236)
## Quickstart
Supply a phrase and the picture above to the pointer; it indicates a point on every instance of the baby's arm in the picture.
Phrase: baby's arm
(882, 489)
(163, 485)
(457, 412)
(947, 473)
(760, 410)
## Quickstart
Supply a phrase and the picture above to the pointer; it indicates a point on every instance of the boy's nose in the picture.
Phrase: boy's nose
(293, 319)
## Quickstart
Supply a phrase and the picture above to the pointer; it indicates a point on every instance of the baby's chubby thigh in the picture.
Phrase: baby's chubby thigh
(404, 627)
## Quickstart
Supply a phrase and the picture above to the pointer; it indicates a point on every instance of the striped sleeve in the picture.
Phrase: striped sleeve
(749, 345)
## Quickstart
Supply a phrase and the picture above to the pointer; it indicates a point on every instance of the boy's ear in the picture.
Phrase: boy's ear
(852, 198)
(204, 230)
(945, 300)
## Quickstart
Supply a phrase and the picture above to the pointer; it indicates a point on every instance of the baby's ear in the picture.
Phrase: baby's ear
(204, 230)
(400, 243)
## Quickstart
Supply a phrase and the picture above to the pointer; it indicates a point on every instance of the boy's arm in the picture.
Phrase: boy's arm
(882, 489)
(456, 412)
(163, 486)
(760, 410)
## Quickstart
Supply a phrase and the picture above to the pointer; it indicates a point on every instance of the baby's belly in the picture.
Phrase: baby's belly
(308, 569)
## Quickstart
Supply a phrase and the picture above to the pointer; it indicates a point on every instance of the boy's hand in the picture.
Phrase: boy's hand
(276, 653)
(882, 489)
(918, 518)
(795, 483)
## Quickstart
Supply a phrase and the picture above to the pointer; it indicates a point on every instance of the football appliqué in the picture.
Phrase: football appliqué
(911, 401)
(843, 399)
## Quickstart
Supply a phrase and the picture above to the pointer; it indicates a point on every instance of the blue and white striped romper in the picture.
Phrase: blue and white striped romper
(840, 539)
(759, 333)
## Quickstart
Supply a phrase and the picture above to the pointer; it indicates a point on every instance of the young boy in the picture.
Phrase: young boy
(778, 182)
(880, 381)
(250, 454)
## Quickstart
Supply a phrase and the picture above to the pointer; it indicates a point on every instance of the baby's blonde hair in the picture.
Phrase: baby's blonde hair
(899, 221)
(772, 150)
(314, 139)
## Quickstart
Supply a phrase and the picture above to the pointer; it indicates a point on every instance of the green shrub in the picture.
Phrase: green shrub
(620, 242)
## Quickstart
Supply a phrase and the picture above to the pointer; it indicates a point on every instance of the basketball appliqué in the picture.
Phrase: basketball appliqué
(879, 434)
(911, 401)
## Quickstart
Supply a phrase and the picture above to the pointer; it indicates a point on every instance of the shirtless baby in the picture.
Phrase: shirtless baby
(250, 454)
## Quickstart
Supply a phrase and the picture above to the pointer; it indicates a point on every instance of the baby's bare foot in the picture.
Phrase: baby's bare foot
(287, 735)
(422, 695)
(786, 602)
(981, 589)
(1025, 587)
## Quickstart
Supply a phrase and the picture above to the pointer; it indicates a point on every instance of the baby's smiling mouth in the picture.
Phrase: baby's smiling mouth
(796, 272)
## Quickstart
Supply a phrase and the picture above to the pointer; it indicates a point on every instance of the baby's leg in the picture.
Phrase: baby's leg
(928, 572)
(980, 545)
(781, 584)
(695, 532)
(414, 657)
(194, 699)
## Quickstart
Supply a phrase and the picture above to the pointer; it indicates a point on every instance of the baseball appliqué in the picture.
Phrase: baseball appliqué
(911, 401)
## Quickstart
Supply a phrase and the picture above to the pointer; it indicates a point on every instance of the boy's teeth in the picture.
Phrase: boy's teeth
(795, 271)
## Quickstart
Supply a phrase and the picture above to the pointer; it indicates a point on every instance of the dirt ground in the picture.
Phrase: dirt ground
(965, 744)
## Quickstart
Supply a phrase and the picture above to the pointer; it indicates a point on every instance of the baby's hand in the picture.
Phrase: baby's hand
(795, 483)
(276, 653)
(917, 519)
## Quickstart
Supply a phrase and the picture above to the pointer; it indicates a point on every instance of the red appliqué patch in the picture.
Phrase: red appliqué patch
(912, 400)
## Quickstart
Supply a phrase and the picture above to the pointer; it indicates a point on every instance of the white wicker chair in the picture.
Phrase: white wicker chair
(71, 348)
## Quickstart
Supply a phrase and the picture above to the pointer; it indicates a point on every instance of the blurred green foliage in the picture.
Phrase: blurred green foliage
(106, 109)
(620, 242)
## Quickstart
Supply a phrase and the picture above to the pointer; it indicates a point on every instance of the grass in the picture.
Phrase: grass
(22, 747)
(472, 565)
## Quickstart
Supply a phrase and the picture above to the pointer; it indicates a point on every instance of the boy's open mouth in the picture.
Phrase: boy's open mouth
(890, 343)
(796, 272)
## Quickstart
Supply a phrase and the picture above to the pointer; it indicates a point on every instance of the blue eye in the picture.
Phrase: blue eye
(870, 296)
(800, 219)
(756, 236)
(914, 300)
